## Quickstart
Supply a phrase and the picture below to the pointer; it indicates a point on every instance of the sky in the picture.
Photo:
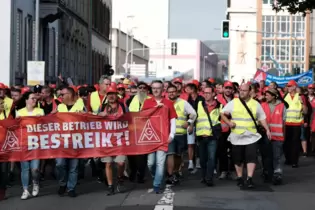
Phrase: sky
(198, 20)
(195, 19)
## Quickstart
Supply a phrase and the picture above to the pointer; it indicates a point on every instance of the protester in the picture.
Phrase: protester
(113, 108)
(30, 109)
(156, 160)
(208, 130)
(244, 133)
(186, 117)
(3, 165)
(68, 168)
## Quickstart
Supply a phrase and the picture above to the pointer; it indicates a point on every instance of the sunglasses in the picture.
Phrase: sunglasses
(142, 88)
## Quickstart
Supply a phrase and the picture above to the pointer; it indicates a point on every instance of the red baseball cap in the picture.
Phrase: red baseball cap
(211, 80)
(120, 86)
(111, 89)
(292, 83)
(2, 86)
(178, 80)
(53, 86)
(194, 82)
(25, 89)
(113, 84)
(228, 84)
(74, 88)
(311, 86)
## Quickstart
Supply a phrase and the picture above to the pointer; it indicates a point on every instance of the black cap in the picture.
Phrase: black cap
(38, 88)
(142, 83)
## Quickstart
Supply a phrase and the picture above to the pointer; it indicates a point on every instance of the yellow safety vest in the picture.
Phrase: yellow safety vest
(95, 102)
(134, 106)
(294, 112)
(2, 116)
(77, 107)
(241, 117)
(181, 117)
(203, 127)
(36, 112)
(8, 102)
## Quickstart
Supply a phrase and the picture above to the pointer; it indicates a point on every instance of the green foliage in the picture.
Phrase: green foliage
(295, 6)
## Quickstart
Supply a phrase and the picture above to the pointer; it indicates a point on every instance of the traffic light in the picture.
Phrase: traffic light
(108, 71)
(225, 29)
(174, 48)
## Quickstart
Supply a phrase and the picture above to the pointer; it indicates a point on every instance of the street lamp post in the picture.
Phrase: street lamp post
(204, 67)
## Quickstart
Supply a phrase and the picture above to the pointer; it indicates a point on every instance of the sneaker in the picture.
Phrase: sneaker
(250, 183)
(111, 190)
(35, 191)
(233, 176)
(194, 171)
(25, 195)
(304, 154)
(120, 187)
(191, 166)
(72, 194)
(198, 163)
(223, 175)
(240, 182)
(277, 179)
(169, 180)
(157, 190)
(209, 182)
(62, 190)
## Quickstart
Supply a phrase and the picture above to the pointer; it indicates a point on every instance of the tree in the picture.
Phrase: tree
(295, 6)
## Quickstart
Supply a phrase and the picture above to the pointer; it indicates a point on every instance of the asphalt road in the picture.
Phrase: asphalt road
(297, 193)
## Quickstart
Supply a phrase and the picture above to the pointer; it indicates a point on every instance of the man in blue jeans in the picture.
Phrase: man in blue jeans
(68, 168)
(156, 160)
(207, 130)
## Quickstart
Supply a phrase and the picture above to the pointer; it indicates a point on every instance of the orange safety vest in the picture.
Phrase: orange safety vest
(275, 121)
(225, 127)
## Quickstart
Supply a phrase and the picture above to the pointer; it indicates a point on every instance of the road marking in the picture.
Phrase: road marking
(166, 202)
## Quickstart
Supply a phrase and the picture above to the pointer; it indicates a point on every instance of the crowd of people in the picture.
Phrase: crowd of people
(222, 126)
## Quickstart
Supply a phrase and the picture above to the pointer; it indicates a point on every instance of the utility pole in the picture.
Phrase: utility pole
(37, 30)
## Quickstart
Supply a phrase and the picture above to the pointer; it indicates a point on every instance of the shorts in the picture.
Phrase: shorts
(244, 153)
(191, 139)
(116, 159)
(177, 146)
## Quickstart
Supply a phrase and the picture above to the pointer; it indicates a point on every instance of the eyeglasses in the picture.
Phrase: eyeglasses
(142, 88)
(170, 92)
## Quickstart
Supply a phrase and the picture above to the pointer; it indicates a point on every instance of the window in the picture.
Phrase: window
(266, 2)
(283, 50)
(268, 26)
(284, 67)
(268, 49)
(19, 32)
(298, 26)
(28, 39)
(283, 26)
(298, 50)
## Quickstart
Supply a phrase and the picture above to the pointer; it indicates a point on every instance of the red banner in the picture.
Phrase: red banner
(74, 135)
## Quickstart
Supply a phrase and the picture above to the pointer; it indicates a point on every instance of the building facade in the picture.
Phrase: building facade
(188, 56)
(74, 38)
(121, 44)
(266, 39)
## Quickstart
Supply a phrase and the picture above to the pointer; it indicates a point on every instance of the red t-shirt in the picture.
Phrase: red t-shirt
(184, 96)
(151, 102)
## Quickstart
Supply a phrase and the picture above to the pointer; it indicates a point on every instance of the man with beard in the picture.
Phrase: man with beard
(179, 85)
(184, 122)
(115, 109)
(137, 163)
(244, 136)
(156, 160)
